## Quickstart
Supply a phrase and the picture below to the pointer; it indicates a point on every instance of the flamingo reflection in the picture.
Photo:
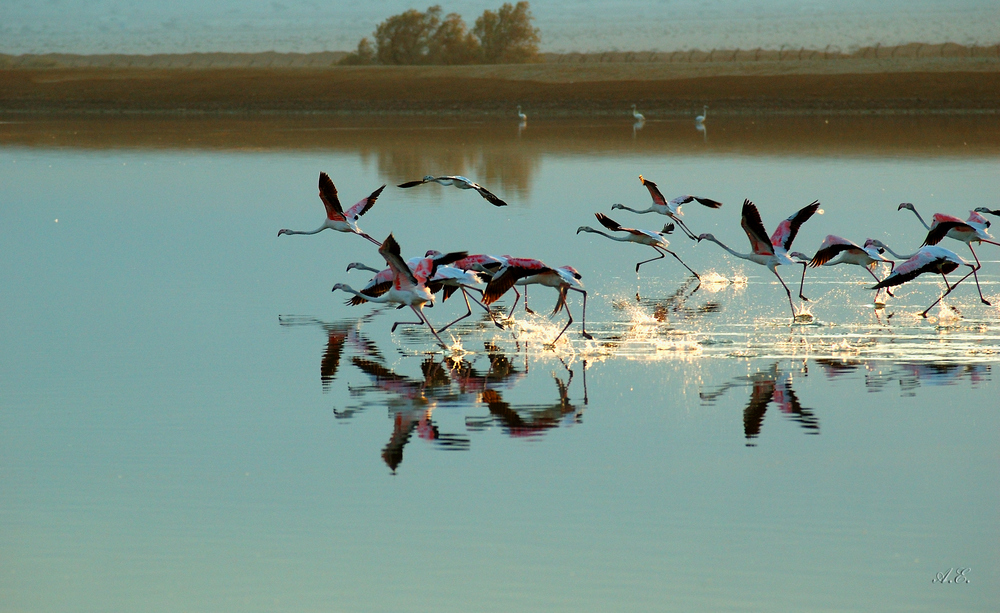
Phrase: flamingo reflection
(530, 420)
(767, 386)
(910, 376)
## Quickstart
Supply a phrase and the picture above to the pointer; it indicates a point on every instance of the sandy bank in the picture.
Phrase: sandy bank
(900, 82)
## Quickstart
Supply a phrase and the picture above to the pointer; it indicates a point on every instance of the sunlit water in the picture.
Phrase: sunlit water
(191, 420)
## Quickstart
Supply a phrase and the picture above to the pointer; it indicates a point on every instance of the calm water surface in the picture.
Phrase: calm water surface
(191, 420)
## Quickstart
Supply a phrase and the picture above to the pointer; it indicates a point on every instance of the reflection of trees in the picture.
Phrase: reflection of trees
(767, 387)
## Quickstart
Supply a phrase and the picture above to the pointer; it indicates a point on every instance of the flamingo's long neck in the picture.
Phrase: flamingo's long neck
(621, 239)
(306, 232)
(914, 209)
(384, 298)
(745, 256)
(896, 255)
(649, 210)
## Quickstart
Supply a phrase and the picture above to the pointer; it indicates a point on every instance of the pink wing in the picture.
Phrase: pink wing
(654, 191)
(975, 217)
(754, 227)
(787, 229)
(364, 205)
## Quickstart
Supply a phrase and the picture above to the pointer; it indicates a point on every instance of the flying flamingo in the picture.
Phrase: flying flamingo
(671, 208)
(448, 279)
(638, 116)
(656, 240)
(930, 258)
(526, 271)
(836, 250)
(704, 115)
(774, 252)
(460, 183)
(973, 230)
(409, 286)
(336, 218)
(983, 209)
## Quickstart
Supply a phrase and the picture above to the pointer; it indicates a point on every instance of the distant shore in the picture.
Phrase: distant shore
(912, 78)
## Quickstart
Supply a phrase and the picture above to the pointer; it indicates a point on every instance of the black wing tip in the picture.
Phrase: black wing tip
(410, 184)
(712, 204)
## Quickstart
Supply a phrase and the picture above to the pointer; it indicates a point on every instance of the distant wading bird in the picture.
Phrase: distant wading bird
(637, 115)
(409, 287)
(930, 259)
(704, 115)
(656, 240)
(460, 183)
(336, 218)
(770, 253)
(836, 250)
(521, 116)
(671, 208)
(526, 271)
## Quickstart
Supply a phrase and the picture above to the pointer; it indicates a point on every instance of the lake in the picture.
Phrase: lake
(191, 420)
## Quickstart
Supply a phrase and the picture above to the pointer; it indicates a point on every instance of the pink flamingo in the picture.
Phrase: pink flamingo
(929, 259)
(459, 182)
(774, 252)
(670, 208)
(836, 250)
(526, 271)
(656, 240)
(972, 230)
(336, 218)
(409, 286)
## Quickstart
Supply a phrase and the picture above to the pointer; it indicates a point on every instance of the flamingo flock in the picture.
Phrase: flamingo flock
(415, 282)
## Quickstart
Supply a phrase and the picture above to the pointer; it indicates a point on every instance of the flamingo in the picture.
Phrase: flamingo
(638, 116)
(459, 182)
(656, 240)
(983, 209)
(704, 115)
(930, 258)
(671, 208)
(521, 116)
(774, 252)
(836, 250)
(526, 271)
(409, 286)
(973, 230)
(336, 218)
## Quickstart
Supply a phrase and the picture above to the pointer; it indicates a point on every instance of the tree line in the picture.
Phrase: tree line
(505, 36)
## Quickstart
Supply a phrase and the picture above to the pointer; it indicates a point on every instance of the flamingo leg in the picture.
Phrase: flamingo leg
(583, 328)
(468, 312)
(424, 319)
(364, 235)
(877, 280)
(485, 308)
(513, 306)
(659, 257)
(697, 276)
(787, 291)
(684, 227)
(802, 281)
(975, 276)
(950, 288)
(526, 309)
(568, 323)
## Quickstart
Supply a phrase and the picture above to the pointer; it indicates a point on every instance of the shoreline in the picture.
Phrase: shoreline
(849, 84)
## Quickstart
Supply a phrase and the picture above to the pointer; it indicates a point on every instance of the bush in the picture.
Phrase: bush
(505, 36)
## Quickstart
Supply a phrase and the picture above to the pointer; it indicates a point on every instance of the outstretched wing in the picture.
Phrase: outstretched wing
(712, 204)
(364, 205)
(940, 229)
(832, 246)
(654, 191)
(787, 229)
(506, 278)
(922, 261)
(608, 223)
(411, 184)
(400, 271)
(328, 194)
(490, 196)
(754, 227)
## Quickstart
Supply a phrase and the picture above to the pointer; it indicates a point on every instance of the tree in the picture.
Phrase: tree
(507, 36)
(452, 43)
(365, 54)
(406, 38)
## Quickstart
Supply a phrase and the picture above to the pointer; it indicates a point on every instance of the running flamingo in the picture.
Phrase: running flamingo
(656, 240)
(930, 258)
(972, 230)
(671, 208)
(526, 271)
(774, 252)
(336, 218)
(409, 287)
(836, 250)
(460, 183)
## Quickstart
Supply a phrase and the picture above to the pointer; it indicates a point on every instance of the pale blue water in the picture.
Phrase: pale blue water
(191, 420)
(141, 26)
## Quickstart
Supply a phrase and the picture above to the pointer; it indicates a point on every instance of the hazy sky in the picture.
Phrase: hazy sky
(148, 26)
